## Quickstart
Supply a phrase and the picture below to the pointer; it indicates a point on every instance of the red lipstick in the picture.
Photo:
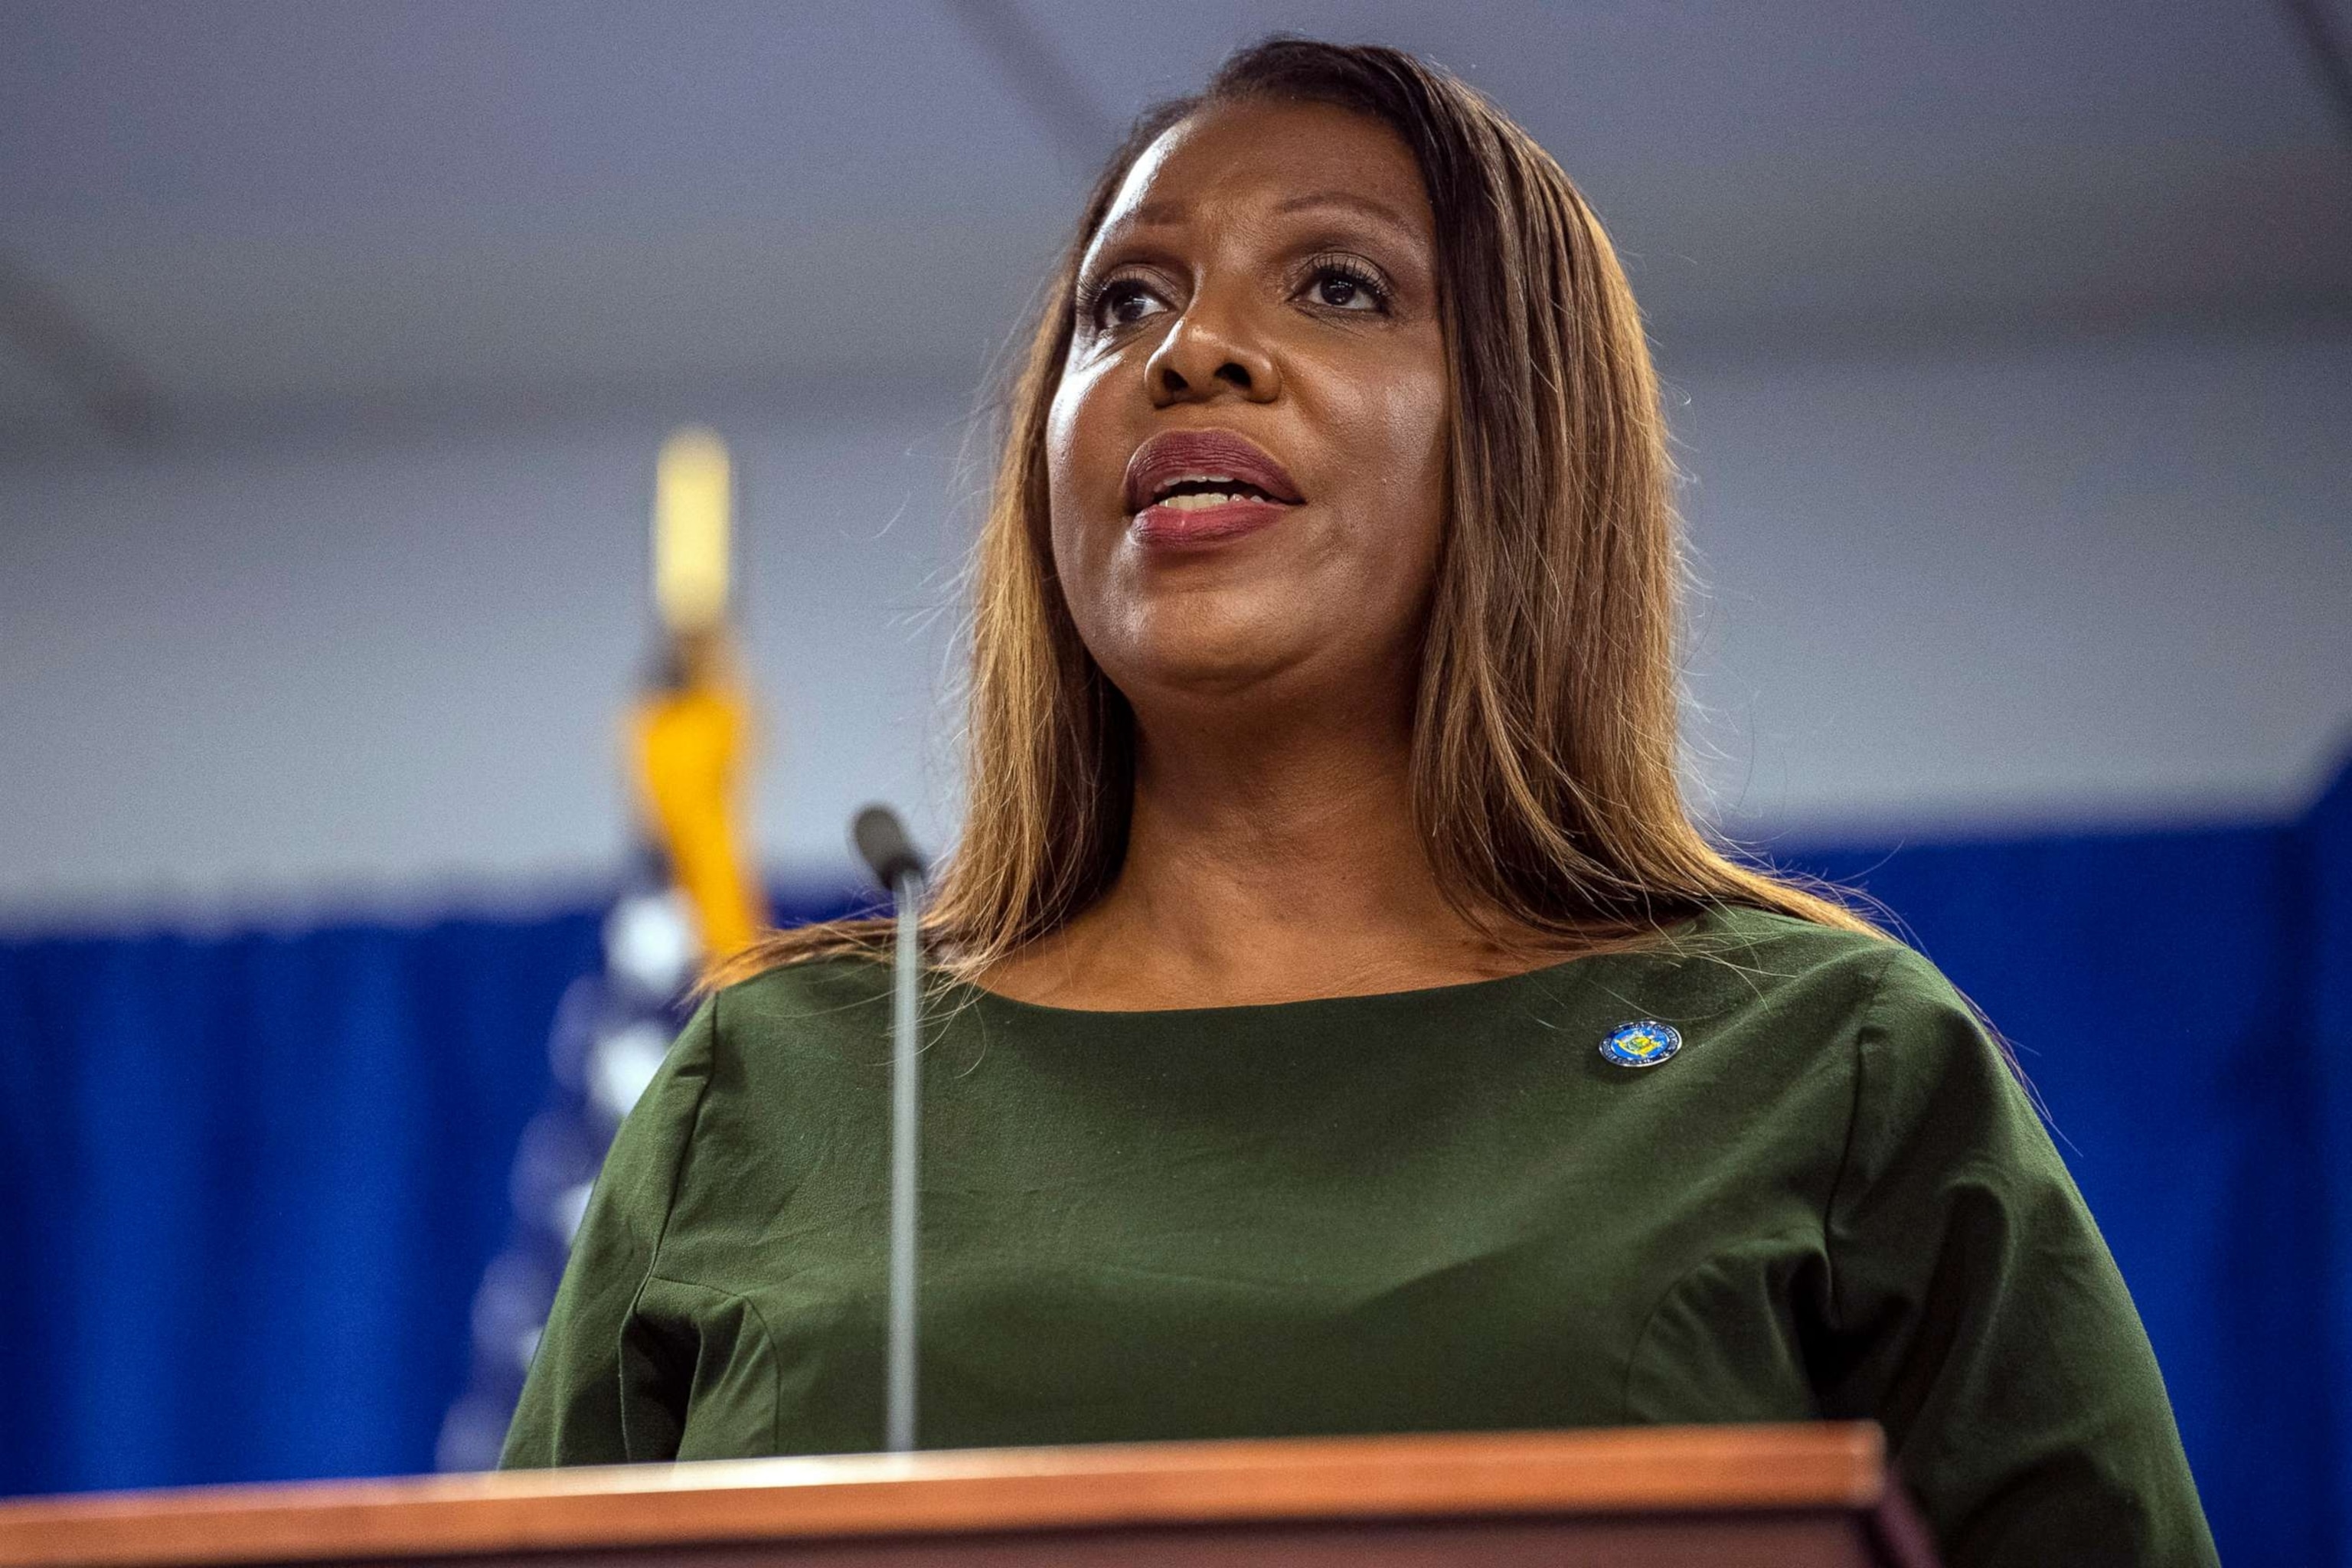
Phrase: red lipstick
(1188, 487)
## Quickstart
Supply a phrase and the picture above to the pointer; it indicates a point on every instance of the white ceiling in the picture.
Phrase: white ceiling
(257, 214)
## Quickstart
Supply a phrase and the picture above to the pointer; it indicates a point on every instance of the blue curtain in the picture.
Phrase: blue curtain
(246, 1188)
(247, 1185)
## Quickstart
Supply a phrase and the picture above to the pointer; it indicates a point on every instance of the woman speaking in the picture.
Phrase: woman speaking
(1339, 1026)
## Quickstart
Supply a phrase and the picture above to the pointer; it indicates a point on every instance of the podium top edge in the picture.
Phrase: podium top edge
(1659, 1470)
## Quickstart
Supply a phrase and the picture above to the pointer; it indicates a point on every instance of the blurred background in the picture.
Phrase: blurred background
(2009, 358)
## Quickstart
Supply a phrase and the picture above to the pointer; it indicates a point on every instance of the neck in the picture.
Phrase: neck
(1266, 863)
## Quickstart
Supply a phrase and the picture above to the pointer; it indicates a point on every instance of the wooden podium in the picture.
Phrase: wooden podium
(1729, 1497)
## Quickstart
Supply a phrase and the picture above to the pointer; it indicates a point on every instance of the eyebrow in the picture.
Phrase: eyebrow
(1378, 209)
(1151, 213)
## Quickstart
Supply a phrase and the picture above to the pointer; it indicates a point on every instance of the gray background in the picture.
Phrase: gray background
(2010, 353)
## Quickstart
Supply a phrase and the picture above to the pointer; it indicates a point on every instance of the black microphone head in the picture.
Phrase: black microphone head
(882, 844)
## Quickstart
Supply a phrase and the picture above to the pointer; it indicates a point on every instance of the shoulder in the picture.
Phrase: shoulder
(1774, 960)
(759, 1062)
(816, 992)
(1930, 1076)
(1781, 946)
(1798, 986)
(797, 1034)
(1927, 1091)
(737, 1031)
(1799, 997)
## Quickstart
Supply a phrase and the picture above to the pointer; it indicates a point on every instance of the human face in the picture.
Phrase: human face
(1260, 303)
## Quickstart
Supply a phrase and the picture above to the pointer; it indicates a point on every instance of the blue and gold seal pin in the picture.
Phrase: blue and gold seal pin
(1643, 1044)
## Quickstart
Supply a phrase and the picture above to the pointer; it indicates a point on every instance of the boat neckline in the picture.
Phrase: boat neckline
(1669, 937)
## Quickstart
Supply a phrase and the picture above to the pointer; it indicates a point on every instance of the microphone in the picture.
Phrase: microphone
(882, 843)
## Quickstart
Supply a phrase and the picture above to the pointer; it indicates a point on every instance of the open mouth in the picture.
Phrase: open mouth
(1195, 486)
(1200, 492)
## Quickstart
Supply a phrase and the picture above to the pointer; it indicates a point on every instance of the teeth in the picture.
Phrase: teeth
(1201, 500)
(1172, 480)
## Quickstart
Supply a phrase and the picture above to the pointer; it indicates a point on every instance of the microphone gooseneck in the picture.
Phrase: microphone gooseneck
(881, 840)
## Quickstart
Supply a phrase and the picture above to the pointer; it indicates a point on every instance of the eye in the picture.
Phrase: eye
(1342, 285)
(1121, 301)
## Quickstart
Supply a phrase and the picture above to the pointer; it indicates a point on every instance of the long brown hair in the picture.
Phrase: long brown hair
(1545, 733)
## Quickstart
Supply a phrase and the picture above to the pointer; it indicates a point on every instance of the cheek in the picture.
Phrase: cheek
(1062, 456)
(1396, 428)
(1414, 416)
(1075, 442)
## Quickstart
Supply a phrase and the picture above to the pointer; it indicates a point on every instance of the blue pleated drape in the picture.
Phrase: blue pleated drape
(247, 1184)
(246, 1188)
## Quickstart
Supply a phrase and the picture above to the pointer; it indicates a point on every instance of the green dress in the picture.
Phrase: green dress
(1431, 1210)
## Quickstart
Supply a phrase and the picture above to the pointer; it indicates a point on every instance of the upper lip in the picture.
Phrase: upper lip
(1203, 454)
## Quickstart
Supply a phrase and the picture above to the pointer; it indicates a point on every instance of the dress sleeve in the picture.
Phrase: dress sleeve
(1976, 1312)
(576, 1401)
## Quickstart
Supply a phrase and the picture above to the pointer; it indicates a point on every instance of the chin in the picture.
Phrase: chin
(1194, 655)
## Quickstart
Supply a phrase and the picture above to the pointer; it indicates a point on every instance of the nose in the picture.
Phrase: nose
(1210, 352)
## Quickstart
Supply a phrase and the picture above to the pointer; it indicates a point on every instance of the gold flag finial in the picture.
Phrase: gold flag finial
(694, 503)
(692, 730)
